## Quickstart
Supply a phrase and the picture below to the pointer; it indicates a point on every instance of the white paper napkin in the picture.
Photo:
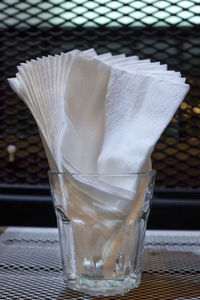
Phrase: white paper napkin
(116, 115)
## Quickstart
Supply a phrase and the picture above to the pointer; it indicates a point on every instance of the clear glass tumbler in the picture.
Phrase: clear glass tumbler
(102, 222)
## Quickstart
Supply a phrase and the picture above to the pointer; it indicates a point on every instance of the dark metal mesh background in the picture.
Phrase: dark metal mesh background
(163, 30)
(30, 267)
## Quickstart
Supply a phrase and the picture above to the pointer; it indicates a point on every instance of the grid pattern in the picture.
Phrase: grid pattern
(163, 30)
(99, 12)
(30, 267)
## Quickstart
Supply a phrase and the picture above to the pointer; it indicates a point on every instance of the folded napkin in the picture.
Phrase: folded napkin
(41, 84)
(116, 115)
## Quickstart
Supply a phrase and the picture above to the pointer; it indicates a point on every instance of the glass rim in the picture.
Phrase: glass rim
(151, 172)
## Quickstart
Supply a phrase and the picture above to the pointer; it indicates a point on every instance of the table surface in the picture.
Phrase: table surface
(30, 266)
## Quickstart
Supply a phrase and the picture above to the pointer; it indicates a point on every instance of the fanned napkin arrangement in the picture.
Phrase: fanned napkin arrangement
(99, 114)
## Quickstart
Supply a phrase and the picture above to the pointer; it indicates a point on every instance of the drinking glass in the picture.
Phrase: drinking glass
(102, 221)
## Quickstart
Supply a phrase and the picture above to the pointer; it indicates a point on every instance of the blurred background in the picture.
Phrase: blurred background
(163, 30)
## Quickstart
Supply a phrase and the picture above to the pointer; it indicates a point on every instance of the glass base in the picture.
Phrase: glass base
(103, 287)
